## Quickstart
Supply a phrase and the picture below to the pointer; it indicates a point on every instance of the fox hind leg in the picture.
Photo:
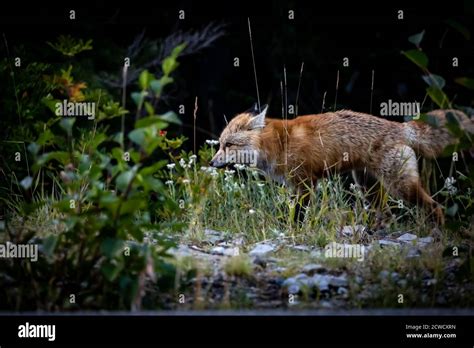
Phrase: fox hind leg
(398, 170)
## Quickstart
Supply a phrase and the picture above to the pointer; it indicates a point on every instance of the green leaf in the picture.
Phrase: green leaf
(112, 247)
(84, 163)
(439, 97)
(138, 136)
(453, 125)
(60, 156)
(460, 28)
(124, 179)
(416, 39)
(130, 206)
(150, 183)
(112, 269)
(50, 103)
(466, 82)
(158, 85)
(434, 80)
(417, 57)
(452, 210)
(169, 65)
(138, 97)
(33, 148)
(171, 117)
(151, 120)
(26, 182)
(49, 244)
(46, 137)
(145, 79)
(66, 123)
(429, 119)
(149, 108)
(178, 49)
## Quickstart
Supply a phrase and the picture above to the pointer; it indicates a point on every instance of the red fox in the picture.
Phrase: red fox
(299, 151)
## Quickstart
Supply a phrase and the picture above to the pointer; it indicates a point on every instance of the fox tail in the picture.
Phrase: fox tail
(430, 139)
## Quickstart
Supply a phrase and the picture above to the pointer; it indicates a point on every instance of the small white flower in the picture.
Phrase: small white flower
(214, 173)
(352, 187)
(239, 166)
(169, 182)
(192, 158)
(186, 181)
(449, 185)
(171, 165)
(260, 184)
(242, 186)
(251, 211)
(183, 164)
(229, 171)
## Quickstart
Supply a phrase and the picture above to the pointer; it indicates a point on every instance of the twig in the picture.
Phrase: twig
(298, 90)
(254, 67)
(194, 123)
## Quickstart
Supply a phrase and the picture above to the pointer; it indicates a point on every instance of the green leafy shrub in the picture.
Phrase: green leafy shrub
(107, 248)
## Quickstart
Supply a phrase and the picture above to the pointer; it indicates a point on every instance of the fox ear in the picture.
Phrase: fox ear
(255, 110)
(258, 121)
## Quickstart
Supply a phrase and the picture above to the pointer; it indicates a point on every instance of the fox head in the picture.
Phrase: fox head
(239, 141)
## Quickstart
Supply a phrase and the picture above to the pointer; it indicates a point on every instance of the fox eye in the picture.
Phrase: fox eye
(228, 144)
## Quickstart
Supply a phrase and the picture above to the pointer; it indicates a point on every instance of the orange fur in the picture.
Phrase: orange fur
(301, 150)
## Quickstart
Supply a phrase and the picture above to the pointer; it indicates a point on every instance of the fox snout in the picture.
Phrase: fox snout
(217, 161)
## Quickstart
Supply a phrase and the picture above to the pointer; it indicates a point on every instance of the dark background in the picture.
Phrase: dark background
(320, 36)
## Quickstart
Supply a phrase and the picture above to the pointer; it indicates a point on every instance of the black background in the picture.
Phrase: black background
(321, 35)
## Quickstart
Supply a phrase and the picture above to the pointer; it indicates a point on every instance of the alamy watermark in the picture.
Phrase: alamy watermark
(21, 251)
(392, 108)
(336, 250)
(227, 156)
(76, 109)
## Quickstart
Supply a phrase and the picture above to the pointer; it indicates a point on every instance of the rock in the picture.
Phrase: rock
(301, 248)
(387, 275)
(423, 242)
(402, 283)
(313, 268)
(272, 260)
(294, 289)
(316, 253)
(413, 252)
(407, 238)
(260, 262)
(262, 250)
(342, 291)
(326, 304)
(232, 251)
(292, 285)
(349, 231)
(321, 282)
(338, 281)
(218, 250)
(238, 241)
(212, 236)
(181, 250)
(386, 242)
